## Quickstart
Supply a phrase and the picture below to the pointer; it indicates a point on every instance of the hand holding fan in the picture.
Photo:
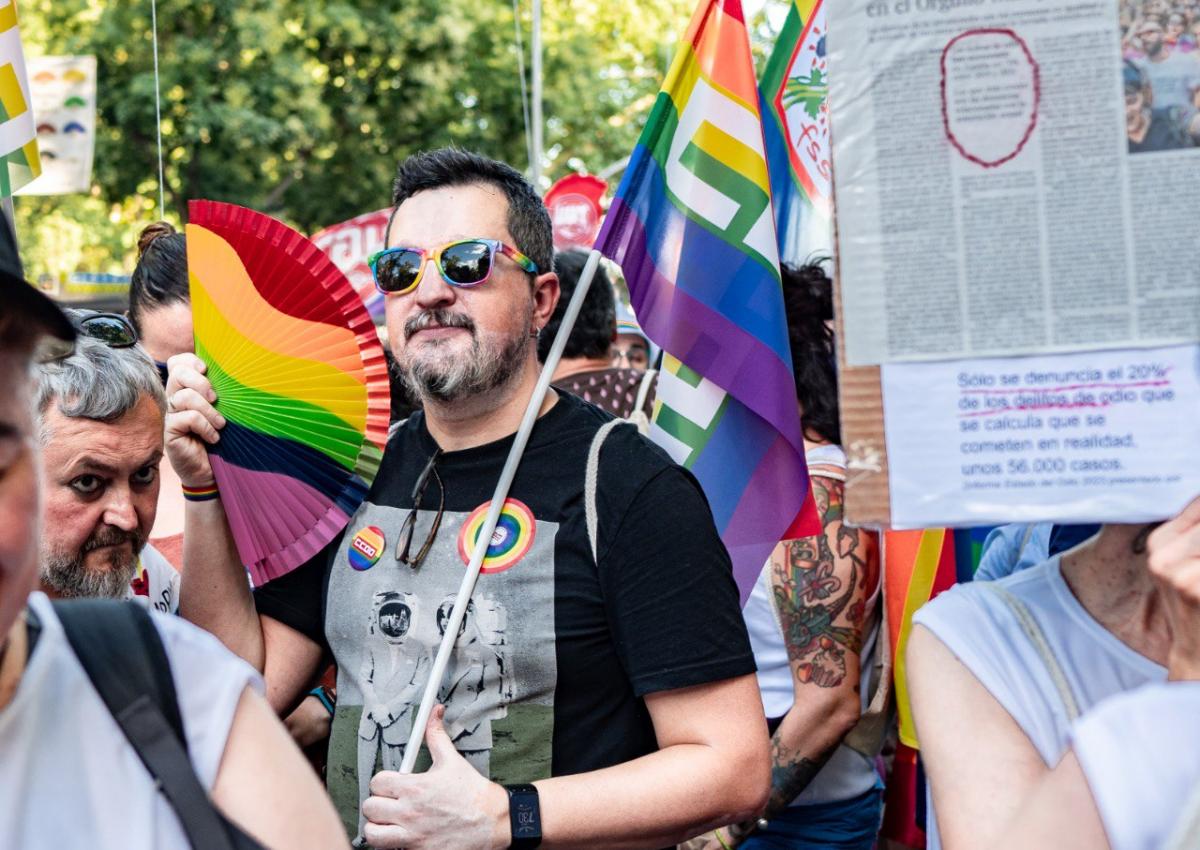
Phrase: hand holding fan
(300, 378)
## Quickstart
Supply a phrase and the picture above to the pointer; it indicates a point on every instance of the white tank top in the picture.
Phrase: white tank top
(1139, 754)
(975, 624)
(848, 773)
(71, 778)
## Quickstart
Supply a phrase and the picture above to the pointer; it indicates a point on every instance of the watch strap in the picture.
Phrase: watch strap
(524, 816)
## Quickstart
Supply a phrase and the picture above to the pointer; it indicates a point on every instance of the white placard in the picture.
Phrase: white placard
(1109, 436)
(1013, 177)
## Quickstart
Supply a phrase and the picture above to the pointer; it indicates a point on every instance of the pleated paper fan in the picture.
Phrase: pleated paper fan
(300, 378)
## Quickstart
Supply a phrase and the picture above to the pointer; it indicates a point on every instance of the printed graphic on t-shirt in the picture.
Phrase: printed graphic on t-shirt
(155, 582)
(384, 624)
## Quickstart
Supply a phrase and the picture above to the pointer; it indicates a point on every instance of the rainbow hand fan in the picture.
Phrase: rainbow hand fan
(300, 378)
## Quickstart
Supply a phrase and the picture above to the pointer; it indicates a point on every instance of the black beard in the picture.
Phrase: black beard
(478, 373)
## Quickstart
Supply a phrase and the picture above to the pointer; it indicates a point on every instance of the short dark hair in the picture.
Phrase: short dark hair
(528, 220)
(593, 332)
(160, 277)
(808, 304)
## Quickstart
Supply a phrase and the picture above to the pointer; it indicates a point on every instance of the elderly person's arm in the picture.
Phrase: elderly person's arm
(215, 593)
(980, 763)
(1125, 781)
(1174, 562)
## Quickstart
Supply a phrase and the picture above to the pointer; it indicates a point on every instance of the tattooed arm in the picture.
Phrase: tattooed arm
(821, 585)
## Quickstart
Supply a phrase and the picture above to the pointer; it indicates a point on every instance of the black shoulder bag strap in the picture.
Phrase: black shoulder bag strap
(122, 654)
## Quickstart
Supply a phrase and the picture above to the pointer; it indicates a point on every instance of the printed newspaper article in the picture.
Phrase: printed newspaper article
(1015, 176)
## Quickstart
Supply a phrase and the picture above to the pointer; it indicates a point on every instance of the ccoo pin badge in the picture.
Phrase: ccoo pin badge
(366, 547)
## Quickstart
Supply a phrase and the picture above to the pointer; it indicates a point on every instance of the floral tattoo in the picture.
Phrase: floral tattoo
(820, 623)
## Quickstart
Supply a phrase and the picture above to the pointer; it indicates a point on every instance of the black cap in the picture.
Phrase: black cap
(18, 297)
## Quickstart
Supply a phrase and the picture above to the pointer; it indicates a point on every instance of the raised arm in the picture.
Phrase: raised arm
(215, 593)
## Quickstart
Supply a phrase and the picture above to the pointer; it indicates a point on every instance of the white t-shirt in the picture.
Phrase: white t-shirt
(975, 624)
(1140, 752)
(156, 583)
(68, 776)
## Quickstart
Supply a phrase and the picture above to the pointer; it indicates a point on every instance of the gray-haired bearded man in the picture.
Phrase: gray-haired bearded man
(100, 424)
(611, 684)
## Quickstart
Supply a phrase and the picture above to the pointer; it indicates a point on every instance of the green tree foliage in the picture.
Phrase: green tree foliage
(302, 108)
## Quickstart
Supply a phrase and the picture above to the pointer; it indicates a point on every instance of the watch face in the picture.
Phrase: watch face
(525, 821)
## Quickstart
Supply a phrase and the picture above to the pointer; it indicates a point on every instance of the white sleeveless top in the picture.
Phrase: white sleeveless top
(848, 773)
(976, 625)
(71, 778)
(1139, 752)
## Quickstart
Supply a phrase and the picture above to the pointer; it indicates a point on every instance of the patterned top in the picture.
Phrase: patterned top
(614, 390)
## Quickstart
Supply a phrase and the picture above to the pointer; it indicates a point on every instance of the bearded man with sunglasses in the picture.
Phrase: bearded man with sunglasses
(603, 673)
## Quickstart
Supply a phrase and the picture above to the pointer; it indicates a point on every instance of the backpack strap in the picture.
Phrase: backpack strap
(644, 388)
(869, 734)
(1037, 637)
(123, 656)
(591, 481)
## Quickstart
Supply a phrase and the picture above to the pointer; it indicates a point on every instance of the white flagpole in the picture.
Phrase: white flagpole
(450, 635)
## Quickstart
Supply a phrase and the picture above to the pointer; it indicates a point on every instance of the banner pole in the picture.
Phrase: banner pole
(532, 410)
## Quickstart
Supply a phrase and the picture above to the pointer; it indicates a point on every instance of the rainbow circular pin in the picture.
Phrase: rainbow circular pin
(366, 548)
(511, 541)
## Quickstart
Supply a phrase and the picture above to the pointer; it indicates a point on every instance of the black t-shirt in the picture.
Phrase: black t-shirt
(557, 650)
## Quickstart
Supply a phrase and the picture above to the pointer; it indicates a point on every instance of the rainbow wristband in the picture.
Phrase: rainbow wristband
(200, 494)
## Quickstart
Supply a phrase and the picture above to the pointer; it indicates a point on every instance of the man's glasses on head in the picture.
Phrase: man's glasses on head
(112, 329)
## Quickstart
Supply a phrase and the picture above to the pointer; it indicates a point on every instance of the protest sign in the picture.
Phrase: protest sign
(1003, 208)
(794, 91)
(574, 206)
(1106, 436)
(1011, 179)
(349, 244)
(64, 106)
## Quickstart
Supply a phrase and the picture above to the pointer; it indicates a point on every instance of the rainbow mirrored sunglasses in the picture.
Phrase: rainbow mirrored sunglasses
(467, 262)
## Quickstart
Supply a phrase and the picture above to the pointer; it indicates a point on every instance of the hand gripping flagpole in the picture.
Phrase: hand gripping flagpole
(450, 635)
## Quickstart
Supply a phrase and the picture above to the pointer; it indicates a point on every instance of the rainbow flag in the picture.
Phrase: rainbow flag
(692, 227)
(917, 566)
(19, 158)
(794, 91)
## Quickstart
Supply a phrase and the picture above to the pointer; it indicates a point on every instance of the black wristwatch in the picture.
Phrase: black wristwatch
(524, 816)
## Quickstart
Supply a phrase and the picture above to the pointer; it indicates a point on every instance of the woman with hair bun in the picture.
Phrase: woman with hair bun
(159, 304)
(160, 310)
